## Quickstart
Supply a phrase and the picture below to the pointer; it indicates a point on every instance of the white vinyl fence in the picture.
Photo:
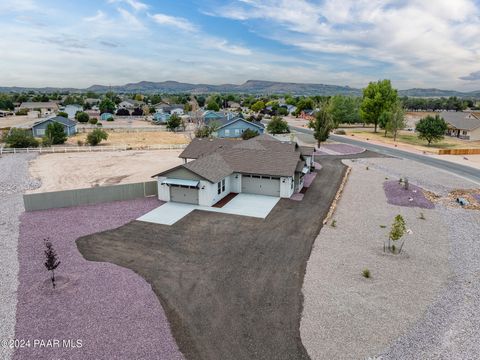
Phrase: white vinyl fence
(68, 149)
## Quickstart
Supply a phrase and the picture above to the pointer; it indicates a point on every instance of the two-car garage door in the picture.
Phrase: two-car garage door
(183, 194)
(261, 185)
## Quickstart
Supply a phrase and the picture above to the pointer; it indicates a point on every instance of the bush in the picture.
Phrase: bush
(123, 112)
(340, 132)
(82, 117)
(203, 132)
(96, 136)
(249, 133)
(56, 133)
(79, 142)
(22, 112)
(20, 138)
(99, 124)
(366, 273)
(278, 126)
(93, 121)
(110, 118)
(46, 141)
(62, 114)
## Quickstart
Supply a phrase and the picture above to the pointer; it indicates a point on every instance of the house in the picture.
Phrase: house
(130, 104)
(4, 113)
(463, 125)
(307, 114)
(234, 128)
(93, 113)
(213, 168)
(69, 126)
(171, 109)
(71, 110)
(45, 108)
(106, 116)
(161, 118)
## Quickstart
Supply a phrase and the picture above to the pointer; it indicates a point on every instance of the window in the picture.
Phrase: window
(220, 187)
(464, 132)
(227, 131)
(237, 131)
(40, 132)
(223, 185)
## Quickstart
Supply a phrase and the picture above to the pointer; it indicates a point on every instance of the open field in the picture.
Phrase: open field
(134, 138)
(82, 170)
(16, 121)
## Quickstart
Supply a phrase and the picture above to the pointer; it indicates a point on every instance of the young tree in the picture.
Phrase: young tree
(19, 138)
(322, 124)
(107, 106)
(378, 97)
(51, 260)
(397, 120)
(278, 126)
(258, 106)
(96, 136)
(396, 233)
(174, 122)
(249, 133)
(55, 133)
(82, 117)
(345, 109)
(213, 105)
(431, 128)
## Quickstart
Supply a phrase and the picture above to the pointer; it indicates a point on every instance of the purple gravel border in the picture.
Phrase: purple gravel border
(111, 309)
(308, 179)
(413, 197)
(477, 197)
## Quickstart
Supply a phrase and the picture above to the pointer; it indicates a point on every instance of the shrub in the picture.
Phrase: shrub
(56, 133)
(422, 216)
(93, 121)
(278, 126)
(110, 118)
(340, 132)
(82, 117)
(334, 223)
(79, 142)
(249, 133)
(62, 114)
(22, 112)
(99, 124)
(46, 141)
(366, 273)
(396, 233)
(51, 260)
(20, 138)
(96, 136)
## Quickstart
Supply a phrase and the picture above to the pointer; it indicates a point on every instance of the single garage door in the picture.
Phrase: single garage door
(183, 194)
(260, 185)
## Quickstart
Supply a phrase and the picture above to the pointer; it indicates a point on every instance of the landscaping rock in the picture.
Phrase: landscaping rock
(413, 197)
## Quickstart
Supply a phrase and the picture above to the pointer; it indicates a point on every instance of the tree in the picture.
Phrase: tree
(96, 136)
(397, 120)
(82, 116)
(20, 138)
(396, 233)
(345, 109)
(431, 128)
(259, 105)
(55, 133)
(322, 124)
(51, 260)
(106, 106)
(174, 122)
(212, 105)
(123, 112)
(63, 114)
(137, 112)
(249, 133)
(378, 97)
(278, 126)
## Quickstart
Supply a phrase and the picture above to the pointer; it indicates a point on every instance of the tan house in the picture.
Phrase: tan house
(44, 108)
(462, 125)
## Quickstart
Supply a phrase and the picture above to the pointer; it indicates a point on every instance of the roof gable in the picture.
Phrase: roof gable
(237, 119)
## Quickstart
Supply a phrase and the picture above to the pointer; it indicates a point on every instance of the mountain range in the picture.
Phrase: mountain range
(256, 87)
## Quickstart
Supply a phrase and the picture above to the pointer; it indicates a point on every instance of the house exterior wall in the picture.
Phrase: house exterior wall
(474, 134)
(308, 160)
(163, 190)
(236, 183)
(236, 129)
(182, 173)
(209, 195)
(286, 187)
(40, 129)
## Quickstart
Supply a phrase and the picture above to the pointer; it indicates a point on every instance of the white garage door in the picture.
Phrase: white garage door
(184, 194)
(260, 185)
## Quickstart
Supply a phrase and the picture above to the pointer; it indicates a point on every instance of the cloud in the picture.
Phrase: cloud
(472, 76)
(99, 16)
(177, 22)
(131, 20)
(136, 5)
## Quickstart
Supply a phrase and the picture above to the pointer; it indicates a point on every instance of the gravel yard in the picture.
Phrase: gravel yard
(413, 196)
(112, 310)
(82, 170)
(13, 182)
(348, 316)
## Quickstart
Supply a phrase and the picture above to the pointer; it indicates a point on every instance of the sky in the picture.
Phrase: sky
(415, 43)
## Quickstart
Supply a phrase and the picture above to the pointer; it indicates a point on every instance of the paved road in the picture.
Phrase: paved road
(460, 170)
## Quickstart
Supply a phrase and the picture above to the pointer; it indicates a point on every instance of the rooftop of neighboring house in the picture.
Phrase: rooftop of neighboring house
(261, 155)
(39, 105)
(461, 120)
(59, 119)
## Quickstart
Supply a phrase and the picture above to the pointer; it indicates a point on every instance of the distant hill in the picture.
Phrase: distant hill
(249, 87)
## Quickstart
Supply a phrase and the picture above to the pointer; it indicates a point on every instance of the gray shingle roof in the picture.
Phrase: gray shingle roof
(59, 119)
(217, 158)
(461, 120)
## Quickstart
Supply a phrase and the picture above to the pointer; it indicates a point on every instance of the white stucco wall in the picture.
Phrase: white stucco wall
(208, 194)
(163, 190)
(236, 183)
(308, 160)
(286, 189)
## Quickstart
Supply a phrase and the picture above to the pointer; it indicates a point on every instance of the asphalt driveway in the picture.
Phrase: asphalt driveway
(230, 285)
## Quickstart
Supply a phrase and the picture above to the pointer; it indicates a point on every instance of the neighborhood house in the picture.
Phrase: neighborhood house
(69, 126)
(214, 168)
(234, 128)
(44, 108)
(462, 125)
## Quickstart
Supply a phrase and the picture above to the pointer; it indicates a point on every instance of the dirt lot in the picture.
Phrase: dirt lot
(15, 121)
(231, 285)
(134, 138)
(81, 170)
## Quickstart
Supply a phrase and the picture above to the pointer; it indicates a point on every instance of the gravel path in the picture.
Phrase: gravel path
(347, 316)
(112, 310)
(14, 180)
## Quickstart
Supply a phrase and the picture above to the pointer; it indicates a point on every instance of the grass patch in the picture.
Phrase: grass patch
(366, 273)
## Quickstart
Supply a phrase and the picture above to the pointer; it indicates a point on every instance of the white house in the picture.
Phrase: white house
(214, 168)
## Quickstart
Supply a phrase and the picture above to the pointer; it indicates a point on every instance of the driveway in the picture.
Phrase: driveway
(231, 285)
(243, 204)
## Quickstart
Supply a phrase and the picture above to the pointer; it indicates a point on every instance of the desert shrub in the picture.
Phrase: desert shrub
(99, 124)
(110, 118)
(20, 138)
(46, 141)
(82, 116)
(340, 132)
(366, 273)
(93, 121)
(79, 142)
(22, 112)
(334, 223)
(96, 136)
(249, 133)
(62, 114)
(422, 216)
